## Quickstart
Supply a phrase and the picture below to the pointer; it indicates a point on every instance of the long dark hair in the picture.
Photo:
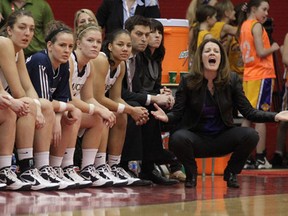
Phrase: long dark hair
(53, 28)
(195, 77)
(244, 13)
(202, 13)
(159, 53)
(111, 37)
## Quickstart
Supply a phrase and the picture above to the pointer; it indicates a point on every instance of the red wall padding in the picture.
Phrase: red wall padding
(65, 9)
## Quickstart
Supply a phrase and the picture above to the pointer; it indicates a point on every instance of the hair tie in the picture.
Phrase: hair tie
(54, 33)
(244, 7)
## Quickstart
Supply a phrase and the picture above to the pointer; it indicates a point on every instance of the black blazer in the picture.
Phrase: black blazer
(139, 94)
(110, 14)
(189, 104)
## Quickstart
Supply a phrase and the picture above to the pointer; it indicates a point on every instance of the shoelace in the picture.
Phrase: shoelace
(122, 172)
(50, 172)
(11, 175)
(59, 172)
(75, 177)
(92, 171)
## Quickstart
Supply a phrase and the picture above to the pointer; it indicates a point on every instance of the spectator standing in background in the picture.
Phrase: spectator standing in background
(194, 4)
(112, 14)
(42, 14)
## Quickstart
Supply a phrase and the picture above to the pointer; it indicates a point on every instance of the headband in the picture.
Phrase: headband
(90, 27)
(54, 33)
(205, 2)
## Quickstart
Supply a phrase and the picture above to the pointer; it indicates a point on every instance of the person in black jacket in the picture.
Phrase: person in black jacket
(150, 76)
(112, 14)
(204, 112)
(139, 145)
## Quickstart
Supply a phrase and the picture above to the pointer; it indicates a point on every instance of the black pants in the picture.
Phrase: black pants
(145, 143)
(187, 145)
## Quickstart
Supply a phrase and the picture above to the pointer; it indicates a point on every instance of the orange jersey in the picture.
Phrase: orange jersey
(255, 68)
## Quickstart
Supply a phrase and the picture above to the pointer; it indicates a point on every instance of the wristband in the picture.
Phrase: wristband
(91, 109)
(148, 101)
(62, 106)
(120, 108)
(37, 102)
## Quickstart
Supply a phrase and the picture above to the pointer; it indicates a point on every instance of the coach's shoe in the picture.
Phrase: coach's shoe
(156, 177)
(191, 182)
(231, 179)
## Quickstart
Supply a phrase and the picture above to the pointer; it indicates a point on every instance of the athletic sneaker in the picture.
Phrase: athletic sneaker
(48, 173)
(90, 173)
(9, 178)
(106, 172)
(250, 164)
(122, 174)
(33, 177)
(60, 173)
(2, 186)
(262, 163)
(71, 174)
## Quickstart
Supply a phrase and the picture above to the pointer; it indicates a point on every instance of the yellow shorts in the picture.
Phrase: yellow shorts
(259, 93)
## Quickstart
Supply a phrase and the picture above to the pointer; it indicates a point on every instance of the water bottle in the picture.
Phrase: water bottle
(134, 167)
(14, 163)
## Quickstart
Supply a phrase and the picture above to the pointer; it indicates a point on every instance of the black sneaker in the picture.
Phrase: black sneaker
(231, 179)
(9, 178)
(156, 177)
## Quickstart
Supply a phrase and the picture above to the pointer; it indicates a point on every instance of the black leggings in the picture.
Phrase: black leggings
(187, 145)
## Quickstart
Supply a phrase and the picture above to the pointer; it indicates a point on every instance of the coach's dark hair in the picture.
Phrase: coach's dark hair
(131, 22)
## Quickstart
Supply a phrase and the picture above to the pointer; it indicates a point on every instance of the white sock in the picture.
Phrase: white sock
(25, 153)
(55, 161)
(5, 161)
(100, 159)
(41, 159)
(88, 157)
(113, 159)
(68, 158)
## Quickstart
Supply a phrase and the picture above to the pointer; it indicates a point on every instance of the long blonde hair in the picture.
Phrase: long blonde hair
(86, 11)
